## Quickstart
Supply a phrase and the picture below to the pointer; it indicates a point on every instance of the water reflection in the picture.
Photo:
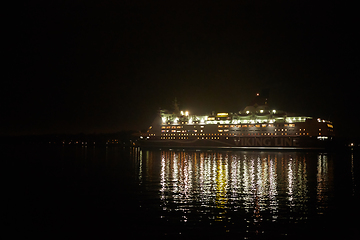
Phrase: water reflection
(237, 187)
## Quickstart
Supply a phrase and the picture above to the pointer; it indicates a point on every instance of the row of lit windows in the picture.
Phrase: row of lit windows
(212, 137)
(222, 130)
(232, 134)
(179, 126)
(174, 138)
(232, 126)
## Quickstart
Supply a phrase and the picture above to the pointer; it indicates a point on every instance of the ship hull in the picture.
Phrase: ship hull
(241, 143)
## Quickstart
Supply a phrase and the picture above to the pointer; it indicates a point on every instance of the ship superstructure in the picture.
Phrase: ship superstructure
(255, 126)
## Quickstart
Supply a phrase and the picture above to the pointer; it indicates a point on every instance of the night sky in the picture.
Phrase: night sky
(80, 66)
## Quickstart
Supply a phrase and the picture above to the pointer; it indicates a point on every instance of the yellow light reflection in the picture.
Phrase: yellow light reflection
(228, 182)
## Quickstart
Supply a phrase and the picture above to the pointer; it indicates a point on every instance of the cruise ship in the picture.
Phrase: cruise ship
(256, 127)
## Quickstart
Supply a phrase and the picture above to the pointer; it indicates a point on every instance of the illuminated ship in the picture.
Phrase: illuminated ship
(257, 126)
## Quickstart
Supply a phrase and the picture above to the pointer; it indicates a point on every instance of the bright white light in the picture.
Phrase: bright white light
(247, 112)
(176, 120)
(202, 120)
(190, 121)
(163, 119)
(182, 112)
(322, 137)
(187, 113)
(261, 111)
(274, 111)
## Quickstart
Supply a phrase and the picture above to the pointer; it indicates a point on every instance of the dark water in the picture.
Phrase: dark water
(110, 192)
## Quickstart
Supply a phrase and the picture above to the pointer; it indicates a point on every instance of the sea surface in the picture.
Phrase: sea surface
(79, 191)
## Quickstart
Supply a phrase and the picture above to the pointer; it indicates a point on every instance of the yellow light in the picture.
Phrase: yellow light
(222, 114)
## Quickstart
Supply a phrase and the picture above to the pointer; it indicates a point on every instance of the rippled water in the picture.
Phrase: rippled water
(116, 191)
(247, 194)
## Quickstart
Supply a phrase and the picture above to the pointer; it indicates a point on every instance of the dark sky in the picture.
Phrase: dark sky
(80, 66)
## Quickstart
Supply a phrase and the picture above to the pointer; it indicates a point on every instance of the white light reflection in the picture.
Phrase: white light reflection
(273, 206)
(323, 179)
(353, 174)
(290, 182)
(215, 185)
(140, 166)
